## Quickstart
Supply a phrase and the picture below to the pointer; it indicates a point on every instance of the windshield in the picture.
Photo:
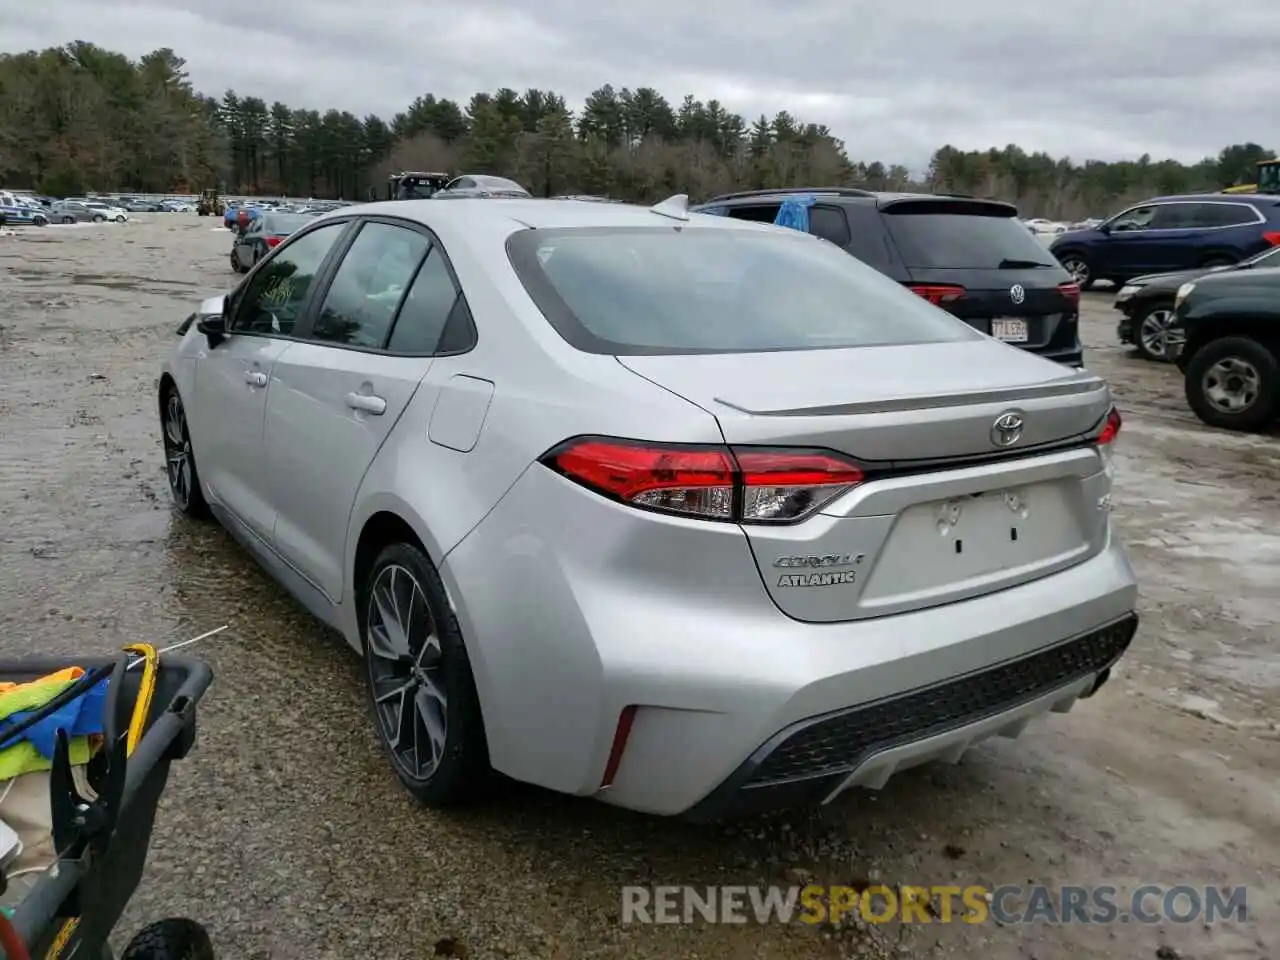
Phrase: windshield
(934, 235)
(671, 290)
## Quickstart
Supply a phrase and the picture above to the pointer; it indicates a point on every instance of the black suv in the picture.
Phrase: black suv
(971, 257)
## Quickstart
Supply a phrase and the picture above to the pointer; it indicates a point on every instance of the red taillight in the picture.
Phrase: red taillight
(274, 242)
(1272, 237)
(937, 293)
(1110, 427)
(1071, 291)
(742, 484)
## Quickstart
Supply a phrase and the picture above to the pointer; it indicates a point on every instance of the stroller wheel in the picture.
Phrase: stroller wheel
(176, 938)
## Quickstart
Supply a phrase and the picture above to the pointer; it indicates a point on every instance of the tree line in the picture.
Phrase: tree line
(79, 117)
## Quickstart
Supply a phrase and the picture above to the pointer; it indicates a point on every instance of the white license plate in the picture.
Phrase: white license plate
(1011, 331)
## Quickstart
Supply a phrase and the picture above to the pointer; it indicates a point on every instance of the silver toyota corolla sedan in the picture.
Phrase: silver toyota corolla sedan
(694, 515)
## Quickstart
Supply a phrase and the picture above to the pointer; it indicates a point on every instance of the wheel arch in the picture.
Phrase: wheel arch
(390, 520)
(1220, 329)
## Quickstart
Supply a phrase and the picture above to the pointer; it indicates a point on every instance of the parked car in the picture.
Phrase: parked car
(109, 211)
(968, 256)
(1169, 234)
(479, 185)
(263, 235)
(230, 218)
(688, 514)
(75, 211)
(1230, 326)
(1146, 304)
(140, 206)
(177, 206)
(19, 211)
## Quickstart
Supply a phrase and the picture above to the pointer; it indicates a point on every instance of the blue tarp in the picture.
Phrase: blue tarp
(80, 718)
(794, 213)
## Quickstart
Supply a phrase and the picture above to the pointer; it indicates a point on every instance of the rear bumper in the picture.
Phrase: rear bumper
(813, 761)
(669, 616)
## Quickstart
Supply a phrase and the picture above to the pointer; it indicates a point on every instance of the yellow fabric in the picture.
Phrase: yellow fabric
(19, 697)
(23, 757)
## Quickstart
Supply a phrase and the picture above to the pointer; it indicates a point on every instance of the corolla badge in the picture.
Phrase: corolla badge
(1017, 293)
(1007, 430)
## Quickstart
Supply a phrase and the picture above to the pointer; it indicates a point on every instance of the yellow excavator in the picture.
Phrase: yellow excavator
(209, 204)
(1268, 179)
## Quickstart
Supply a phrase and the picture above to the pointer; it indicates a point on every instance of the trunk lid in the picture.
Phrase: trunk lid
(945, 513)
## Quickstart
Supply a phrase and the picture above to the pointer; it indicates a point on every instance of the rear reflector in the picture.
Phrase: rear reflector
(937, 293)
(707, 482)
(1272, 237)
(621, 735)
(1110, 427)
(274, 242)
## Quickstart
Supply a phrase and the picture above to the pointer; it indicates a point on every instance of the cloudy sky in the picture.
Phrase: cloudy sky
(1086, 78)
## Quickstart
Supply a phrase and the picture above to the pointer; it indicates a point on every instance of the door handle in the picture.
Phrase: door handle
(255, 378)
(367, 403)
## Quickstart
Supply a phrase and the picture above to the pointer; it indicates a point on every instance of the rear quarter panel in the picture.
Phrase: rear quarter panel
(544, 392)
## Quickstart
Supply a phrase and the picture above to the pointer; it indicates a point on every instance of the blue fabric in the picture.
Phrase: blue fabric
(794, 213)
(80, 718)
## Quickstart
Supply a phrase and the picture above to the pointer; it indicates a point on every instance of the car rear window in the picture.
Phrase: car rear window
(283, 224)
(682, 290)
(944, 235)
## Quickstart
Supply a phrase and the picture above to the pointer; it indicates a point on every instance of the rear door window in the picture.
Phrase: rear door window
(755, 212)
(369, 285)
(943, 235)
(1181, 216)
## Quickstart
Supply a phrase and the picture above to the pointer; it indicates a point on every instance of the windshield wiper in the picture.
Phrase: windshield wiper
(1008, 264)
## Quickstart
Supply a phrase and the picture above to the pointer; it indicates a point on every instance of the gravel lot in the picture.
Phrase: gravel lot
(286, 833)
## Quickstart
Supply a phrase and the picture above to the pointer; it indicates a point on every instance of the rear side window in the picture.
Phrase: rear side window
(940, 235)
(684, 290)
(1224, 215)
(829, 224)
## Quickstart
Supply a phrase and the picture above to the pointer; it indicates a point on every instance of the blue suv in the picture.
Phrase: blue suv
(1171, 233)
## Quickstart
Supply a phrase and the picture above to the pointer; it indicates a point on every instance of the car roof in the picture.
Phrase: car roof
(1216, 198)
(540, 214)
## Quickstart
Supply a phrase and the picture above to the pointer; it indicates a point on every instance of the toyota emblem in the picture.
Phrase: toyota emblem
(1017, 294)
(1007, 430)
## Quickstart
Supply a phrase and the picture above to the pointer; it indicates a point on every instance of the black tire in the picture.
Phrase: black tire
(68, 219)
(182, 475)
(235, 263)
(460, 771)
(99, 218)
(1219, 260)
(1155, 315)
(1081, 270)
(174, 939)
(40, 221)
(1242, 354)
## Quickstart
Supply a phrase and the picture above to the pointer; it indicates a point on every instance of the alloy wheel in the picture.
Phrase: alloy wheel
(1078, 269)
(405, 662)
(1160, 340)
(177, 452)
(1232, 385)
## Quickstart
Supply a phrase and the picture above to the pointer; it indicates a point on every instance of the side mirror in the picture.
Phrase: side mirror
(1104, 228)
(214, 328)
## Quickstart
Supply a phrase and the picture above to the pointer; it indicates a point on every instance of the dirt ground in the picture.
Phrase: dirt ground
(287, 835)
